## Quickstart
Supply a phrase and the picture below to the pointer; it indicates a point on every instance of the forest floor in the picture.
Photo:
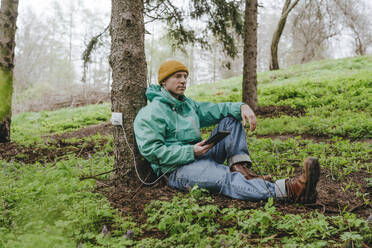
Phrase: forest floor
(57, 184)
(132, 197)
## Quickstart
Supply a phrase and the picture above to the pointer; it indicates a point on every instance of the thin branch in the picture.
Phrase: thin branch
(147, 9)
(103, 173)
(289, 9)
(91, 45)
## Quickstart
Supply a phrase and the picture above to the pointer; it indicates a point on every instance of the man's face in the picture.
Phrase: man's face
(176, 84)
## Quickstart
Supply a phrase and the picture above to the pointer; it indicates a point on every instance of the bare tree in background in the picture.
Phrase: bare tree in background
(313, 25)
(266, 20)
(8, 20)
(355, 17)
(288, 6)
(44, 77)
(42, 53)
(128, 63)
(250, 55)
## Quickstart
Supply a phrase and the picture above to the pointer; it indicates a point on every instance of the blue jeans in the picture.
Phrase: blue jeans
(209, 172)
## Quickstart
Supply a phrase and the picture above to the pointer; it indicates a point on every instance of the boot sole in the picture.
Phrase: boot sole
(312, 172)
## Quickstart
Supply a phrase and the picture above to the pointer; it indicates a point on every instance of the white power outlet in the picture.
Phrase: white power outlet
(117, 119)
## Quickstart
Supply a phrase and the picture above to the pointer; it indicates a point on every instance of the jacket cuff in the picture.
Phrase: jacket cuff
(189, 154)
(236, 110)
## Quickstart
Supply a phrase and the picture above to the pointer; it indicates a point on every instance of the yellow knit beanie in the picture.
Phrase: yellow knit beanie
(169, 68)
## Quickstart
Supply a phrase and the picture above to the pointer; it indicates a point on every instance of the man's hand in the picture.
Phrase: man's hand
(247, 113)
(200, 149)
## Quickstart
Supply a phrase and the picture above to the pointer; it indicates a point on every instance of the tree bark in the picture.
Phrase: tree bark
(274, 64)
(128, 63)
(8, 20)
(250, 55)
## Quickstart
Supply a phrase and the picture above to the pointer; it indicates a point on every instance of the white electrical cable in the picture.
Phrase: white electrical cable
(135, 164)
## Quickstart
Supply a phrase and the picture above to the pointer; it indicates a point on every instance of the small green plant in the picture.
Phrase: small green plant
(369, 181)
(260, 221)
(28, 128)
(252, 228)
(47, 204)
(348, 186)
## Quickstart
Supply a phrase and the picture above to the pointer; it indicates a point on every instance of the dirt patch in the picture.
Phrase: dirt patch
(56, 146)
(276, 111)
(49, 152)
(337, 197)
(103, 128)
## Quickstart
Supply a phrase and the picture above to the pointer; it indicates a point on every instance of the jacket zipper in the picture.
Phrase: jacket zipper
(175, 133)
(174, 109)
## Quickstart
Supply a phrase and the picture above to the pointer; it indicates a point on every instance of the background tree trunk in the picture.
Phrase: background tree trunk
(274, 64)
(128, 63)
(250, 55)
(8, 20)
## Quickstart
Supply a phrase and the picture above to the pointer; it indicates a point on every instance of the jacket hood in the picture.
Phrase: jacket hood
(156, 92)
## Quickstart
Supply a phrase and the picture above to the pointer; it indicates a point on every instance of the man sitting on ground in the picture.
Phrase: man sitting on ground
(167, 132)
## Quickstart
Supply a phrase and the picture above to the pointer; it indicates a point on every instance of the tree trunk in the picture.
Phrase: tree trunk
(128, 63)
(360, 49)
(274, 64)
(250, 55)
(308, 53)
(8, 20)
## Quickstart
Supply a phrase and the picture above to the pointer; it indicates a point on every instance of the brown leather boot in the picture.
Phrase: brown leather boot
(303, 188)
(247, 173)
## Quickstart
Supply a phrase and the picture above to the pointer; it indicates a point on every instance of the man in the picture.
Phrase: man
(167, 132)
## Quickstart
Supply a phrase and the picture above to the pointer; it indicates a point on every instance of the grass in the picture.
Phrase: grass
(30, 127)
(335, 94)
(341, 157)
(231, 227)
(315, 71)
(339, 123)
(46, 205)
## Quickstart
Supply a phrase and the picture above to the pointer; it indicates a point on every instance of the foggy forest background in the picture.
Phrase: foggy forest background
(50, 42)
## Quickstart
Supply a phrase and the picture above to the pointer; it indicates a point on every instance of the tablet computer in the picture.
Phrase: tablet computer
(220, 135)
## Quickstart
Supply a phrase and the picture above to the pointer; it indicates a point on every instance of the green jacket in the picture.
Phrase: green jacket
(167, 128)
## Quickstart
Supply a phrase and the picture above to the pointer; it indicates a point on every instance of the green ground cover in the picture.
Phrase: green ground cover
(341, 158)
(46, 205)
(335, 94)
(234, 227)
(30, 127)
